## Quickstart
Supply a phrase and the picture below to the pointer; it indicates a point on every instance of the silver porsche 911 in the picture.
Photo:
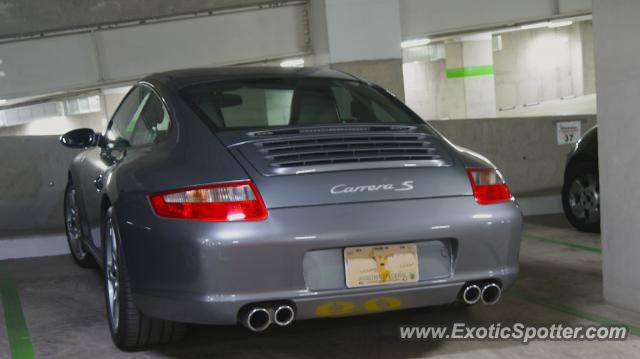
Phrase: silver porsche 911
(264, 196)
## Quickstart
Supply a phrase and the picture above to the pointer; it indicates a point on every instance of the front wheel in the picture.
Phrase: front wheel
(581, 197)
(130, 328)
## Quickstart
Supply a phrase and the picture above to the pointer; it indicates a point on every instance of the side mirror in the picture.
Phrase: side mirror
(80, 138)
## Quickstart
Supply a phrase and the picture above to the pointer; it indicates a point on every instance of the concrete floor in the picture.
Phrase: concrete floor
(560, 282)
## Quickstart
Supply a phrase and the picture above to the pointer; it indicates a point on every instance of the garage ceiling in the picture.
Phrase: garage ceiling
(19, 17)
(91, 58)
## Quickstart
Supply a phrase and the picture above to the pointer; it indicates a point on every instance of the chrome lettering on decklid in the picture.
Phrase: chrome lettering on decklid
(344, 188)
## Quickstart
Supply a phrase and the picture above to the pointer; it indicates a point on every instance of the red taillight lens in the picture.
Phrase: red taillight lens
(488, 185)
(234, 201)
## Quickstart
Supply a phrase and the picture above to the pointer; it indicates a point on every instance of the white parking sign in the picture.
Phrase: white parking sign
(568, 132)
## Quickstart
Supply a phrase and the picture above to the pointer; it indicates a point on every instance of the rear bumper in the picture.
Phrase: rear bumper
(203, 272)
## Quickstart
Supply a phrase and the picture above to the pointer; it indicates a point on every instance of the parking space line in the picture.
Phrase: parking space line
(528, 297)
(17, 332)
(581, 247)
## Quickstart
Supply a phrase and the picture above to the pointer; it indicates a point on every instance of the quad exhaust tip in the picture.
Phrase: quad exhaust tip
(491, 293)
(283, 315)
(471, 294)
(259, 318)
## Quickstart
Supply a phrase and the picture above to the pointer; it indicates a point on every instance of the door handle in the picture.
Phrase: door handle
(98, 183)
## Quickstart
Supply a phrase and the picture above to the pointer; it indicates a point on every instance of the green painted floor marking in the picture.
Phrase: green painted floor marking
(563, 243)
(17, 332)
(527, 297)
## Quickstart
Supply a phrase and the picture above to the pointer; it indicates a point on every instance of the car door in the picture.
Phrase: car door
(101, 161)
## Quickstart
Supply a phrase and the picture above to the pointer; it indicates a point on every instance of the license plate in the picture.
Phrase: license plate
(384, 264)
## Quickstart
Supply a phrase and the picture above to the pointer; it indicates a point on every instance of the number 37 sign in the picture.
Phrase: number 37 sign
(568, 132)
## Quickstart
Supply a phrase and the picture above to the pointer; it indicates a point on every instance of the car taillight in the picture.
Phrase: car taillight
(233, 201)
(488, 185)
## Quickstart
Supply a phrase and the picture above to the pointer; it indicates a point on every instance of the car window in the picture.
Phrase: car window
(381, 113)
(293, 102)
(125, 118)
(151, 121)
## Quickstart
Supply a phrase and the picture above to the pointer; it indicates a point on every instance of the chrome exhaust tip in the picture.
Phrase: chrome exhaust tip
(283, 315)
(257, 319)
(471, 294)
(491, 293)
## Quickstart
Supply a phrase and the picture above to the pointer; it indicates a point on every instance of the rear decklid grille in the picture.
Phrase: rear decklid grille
(322, 165)
(333, 150)
(347, 149)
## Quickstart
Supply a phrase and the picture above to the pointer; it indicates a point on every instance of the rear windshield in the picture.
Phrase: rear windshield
(292, 102)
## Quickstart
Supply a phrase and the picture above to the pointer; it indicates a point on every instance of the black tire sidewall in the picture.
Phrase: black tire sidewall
(572, 172)
(132, 322)
(119, 335)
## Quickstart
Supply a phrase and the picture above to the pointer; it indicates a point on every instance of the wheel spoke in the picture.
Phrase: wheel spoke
(577, 187)
(79, 245)
(112, 275)
(578, 210)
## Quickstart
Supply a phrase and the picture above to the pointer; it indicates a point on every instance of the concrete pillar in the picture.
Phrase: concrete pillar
(470, 77)
(455, 97)
(588, 65)
(617, 49)
(361, 37)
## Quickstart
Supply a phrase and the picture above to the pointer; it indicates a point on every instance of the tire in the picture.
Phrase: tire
(74, 228)
(581, 197)
(130, 329)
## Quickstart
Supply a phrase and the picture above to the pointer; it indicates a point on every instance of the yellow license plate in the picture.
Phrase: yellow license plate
(384, 264)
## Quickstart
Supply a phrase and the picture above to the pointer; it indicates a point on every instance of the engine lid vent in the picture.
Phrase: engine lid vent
(345, 151)
(330, 129)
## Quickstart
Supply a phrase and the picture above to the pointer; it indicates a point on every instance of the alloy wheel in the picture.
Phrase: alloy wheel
(73, 225)
(584, 198)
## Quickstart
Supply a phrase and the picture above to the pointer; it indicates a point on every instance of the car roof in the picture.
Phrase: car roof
(187, 77)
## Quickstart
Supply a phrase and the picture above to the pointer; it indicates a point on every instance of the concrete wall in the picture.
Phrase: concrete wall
(386, 73)
(525, 149)
(527, 73)
(479, 91)
(32, 182)
(57, 125)
(528, 81)
(616, 28)
(425, 85)
(26, 17)
(456, 102)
